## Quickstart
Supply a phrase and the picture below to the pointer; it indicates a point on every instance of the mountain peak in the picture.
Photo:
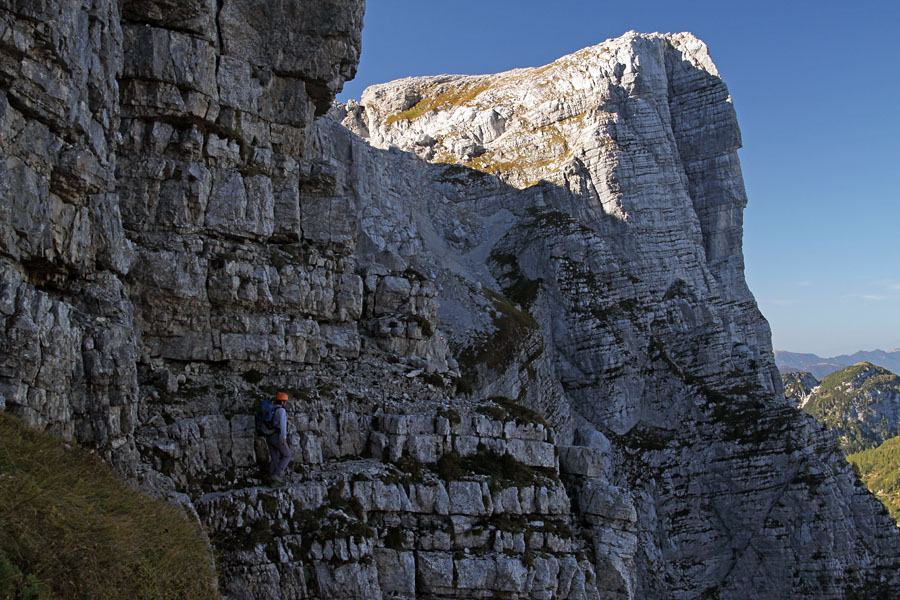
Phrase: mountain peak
(861, 402)
(530, 124)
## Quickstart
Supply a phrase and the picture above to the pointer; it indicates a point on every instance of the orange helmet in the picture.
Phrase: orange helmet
(281, 397)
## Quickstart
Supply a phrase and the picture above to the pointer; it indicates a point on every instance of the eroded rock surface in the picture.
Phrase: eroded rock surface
(509, 310)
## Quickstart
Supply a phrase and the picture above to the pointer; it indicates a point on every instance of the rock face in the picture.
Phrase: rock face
(180, 236)
(151, 155)
(798, 385)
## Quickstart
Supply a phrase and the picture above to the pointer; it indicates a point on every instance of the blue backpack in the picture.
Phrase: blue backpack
(265, 418)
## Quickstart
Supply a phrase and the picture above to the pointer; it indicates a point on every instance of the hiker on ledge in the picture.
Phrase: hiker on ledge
(279, 451)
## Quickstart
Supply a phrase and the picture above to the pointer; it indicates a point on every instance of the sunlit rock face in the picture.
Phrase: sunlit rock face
(509, 311)
(626, 236)
(634, 141)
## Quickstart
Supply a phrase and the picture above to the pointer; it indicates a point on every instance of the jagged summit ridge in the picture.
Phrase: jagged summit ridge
(524, 124)
(638, 142)
(575, 123)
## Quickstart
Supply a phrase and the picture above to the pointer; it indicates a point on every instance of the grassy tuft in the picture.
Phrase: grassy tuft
(15, 585)
(441, 98)
(253, 376)
(449, 467)
(511, 327)
(502, 469)
(395, 539)
(70, 528)
(465, 385)
(434, 379)
(513, 411)
(517, 287)
(451, 415)
(492, 412)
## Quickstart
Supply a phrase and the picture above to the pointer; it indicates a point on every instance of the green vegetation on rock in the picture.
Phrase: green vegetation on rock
(70, 529)
(517, 287)
(511, 327)
(506, 409)
(502, 469)
(879, 469)
(440, 98)
(853, 402)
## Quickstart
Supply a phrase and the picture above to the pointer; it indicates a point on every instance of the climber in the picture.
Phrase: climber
(279, 451)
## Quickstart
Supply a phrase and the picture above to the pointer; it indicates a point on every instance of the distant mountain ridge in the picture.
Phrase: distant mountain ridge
(820, 367)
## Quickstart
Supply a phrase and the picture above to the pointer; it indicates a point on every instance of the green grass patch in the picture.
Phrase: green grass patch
(326, 523)
(253, 376)
(503, 470)
(516, 286)
(15, 585)
(879, 469)
(506, 409)
(407, 471)
(395, 539)
(542, 219)
(434, 379)
(465, 385)
(458, 174)
(518, 413)
(70, 528)
(492, 412)
(441, 98)
(451, 415)
(511, 326)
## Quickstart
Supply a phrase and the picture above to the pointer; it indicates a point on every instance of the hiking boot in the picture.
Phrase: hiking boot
(277, 479)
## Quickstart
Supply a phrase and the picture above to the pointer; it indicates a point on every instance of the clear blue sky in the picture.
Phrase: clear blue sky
(816, 86)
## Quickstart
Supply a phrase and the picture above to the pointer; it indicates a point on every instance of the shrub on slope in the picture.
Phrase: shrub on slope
(879, 468)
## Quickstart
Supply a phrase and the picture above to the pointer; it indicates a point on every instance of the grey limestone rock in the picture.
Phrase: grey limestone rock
(509, 311)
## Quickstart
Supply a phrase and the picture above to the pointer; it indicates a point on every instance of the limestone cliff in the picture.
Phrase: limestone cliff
(510, 310)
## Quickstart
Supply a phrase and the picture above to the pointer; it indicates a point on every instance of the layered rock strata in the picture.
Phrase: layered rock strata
(455, 506)
(180, 235)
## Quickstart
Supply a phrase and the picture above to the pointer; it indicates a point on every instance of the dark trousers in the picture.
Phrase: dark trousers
(279, 454)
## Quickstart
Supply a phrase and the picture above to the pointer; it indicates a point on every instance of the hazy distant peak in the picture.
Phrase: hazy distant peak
(820, 367)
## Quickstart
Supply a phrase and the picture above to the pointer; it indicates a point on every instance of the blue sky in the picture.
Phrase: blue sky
(816, 88)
